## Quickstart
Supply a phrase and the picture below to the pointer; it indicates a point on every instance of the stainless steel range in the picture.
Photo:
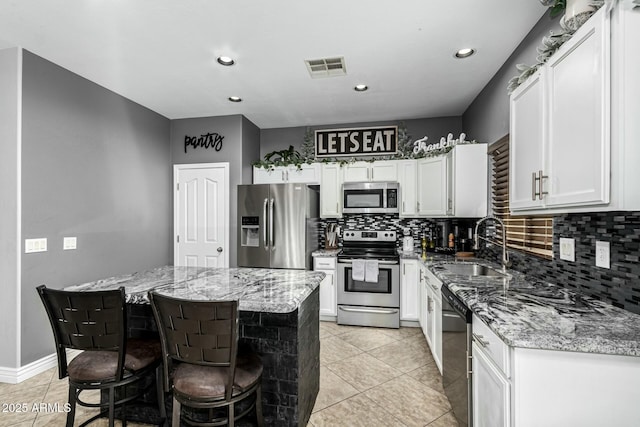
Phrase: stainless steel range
(369, 279)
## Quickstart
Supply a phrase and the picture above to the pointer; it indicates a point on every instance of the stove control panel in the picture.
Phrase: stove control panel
(369, 236)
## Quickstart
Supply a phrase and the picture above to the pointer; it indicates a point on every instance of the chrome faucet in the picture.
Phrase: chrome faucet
(476, 240)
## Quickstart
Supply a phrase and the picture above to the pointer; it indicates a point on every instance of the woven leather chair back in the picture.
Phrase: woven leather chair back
(86, 321)
(200, 332)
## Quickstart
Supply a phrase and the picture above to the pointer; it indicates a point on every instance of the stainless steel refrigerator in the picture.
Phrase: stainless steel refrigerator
(277, 225)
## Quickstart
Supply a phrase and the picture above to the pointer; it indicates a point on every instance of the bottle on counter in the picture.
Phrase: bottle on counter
(423, 244)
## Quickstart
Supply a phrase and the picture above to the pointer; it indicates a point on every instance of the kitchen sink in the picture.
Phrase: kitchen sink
(472, 270)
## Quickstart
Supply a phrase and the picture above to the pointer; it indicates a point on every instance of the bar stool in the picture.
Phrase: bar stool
(202, 364)
(96, 323)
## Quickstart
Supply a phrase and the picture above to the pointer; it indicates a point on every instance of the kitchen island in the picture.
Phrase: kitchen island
(279, 319)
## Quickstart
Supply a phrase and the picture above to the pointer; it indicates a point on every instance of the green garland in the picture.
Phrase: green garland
(307, 152)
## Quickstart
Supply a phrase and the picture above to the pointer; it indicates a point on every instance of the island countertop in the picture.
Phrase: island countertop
(257, 289)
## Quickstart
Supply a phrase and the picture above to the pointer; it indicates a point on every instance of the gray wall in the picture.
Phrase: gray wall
(10, 196)
(435, 128)
(95, 166)
(487, 118)
(239, 147)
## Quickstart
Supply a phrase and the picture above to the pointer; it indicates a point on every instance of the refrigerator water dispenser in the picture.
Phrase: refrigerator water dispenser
(250, 231)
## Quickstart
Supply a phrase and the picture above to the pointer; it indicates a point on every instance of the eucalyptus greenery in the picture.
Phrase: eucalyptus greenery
(550, 43)
(307, 152)
(285, 157)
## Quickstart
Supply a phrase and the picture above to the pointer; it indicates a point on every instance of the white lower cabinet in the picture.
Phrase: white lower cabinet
(433, 331)
(490, 385)
(328, 290)
(523, 387)
(409, 302)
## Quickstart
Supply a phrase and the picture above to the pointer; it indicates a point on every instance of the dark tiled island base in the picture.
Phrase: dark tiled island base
(289, 345)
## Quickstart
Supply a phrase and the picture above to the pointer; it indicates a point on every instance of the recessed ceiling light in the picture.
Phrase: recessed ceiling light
(225, 60)
(235, 99)
(464, 53)
(361, 88)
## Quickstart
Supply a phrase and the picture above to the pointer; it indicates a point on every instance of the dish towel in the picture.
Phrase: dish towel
(371, 271)
(357, 269)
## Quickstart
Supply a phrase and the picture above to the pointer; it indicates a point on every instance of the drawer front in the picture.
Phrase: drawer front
(433, 282)
(495, 348)
(322, 263)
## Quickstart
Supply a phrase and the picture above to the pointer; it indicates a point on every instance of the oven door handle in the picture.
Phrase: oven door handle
(369, 310)
(348, 261)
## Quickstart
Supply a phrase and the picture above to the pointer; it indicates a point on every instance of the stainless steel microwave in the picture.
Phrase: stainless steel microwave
(370, 197)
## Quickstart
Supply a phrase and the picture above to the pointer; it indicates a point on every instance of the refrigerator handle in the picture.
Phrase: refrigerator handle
(271, 223)
(264, 224)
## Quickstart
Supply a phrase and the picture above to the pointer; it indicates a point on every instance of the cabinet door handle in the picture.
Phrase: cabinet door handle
(541, 192)
(480, 340)
(418, 206)
(403, 208)
(533, 186)
(372, 171)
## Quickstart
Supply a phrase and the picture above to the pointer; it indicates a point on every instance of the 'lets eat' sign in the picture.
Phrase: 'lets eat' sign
(374, 141)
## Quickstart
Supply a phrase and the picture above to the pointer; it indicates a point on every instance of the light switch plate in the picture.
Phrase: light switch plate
(35, 245)
(603, 254)
(567, 249)
(69, 243)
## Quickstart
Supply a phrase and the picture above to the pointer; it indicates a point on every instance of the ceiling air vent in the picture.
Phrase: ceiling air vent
(326, 67)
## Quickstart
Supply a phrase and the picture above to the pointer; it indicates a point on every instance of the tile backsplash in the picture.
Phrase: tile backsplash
(619, 285)
(394, 222)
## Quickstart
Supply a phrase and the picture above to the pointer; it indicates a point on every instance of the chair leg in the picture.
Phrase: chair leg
(232, 415)
(160, 392)
(72, 403)
(259, 417)
(112, 411)
(175, 414)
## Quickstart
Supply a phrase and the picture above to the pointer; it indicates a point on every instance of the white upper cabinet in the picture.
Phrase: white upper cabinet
(407, 178)
(433, 186)
(578, 100)
(306, 174)
(382, 170)
(330, 190)
(574, 124)
(468, 179)
(527, 135)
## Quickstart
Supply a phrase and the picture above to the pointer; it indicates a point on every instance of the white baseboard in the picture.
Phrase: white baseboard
(17, 375)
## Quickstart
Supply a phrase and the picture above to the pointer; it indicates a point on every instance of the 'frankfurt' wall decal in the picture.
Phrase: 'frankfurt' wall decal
(208, 140)
(373, 141)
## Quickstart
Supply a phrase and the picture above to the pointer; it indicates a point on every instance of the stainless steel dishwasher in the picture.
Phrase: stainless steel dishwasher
(456, 356)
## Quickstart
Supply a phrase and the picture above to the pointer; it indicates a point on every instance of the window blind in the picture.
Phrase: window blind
(531, 234)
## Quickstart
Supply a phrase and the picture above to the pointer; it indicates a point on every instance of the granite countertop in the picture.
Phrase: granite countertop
(431, 256)
(257, 289)
(540, 315)
(326, 252)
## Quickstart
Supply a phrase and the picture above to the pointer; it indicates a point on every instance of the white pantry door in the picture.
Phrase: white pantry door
(201, 215)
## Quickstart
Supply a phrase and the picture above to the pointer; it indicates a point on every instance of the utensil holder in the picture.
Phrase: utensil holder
(331, 240)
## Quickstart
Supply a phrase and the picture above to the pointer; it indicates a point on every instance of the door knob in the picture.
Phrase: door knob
(219, 250)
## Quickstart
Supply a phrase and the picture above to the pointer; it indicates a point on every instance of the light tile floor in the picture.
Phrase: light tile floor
(378, 376)
(368, 376)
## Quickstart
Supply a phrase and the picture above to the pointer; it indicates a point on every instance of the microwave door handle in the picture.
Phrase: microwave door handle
(264, 224)
(271, 223)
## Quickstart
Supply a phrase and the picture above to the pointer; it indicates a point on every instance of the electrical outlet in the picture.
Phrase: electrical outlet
(567, 249)
(69, 243)
(35, 245)
(603, 254)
